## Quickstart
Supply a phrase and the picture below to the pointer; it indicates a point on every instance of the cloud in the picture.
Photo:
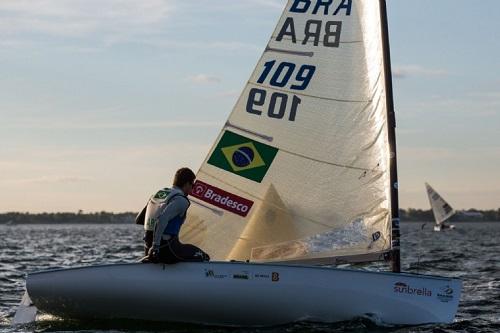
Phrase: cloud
(55, 179)
(278, 4)
(79, 124)
(475, 104)
(229, 94)
(226, 47)
(428, 153)
(404, 71)
(111, 20)
(104, 23)
(203, 79)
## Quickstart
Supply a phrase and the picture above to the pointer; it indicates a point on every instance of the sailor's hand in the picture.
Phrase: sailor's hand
(153, 255)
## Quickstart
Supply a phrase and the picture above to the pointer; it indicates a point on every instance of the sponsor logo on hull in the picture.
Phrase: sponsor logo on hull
(403, 288)
(209, 273)
(243, 156)
(243, 275)
(445, 294)
(222, 199)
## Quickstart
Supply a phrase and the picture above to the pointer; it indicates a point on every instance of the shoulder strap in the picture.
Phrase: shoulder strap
(180, 195)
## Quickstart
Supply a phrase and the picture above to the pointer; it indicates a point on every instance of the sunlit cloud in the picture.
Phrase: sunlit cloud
(229, 93)
(76, 124)
(404, 71)
(54, 179)
(203, 79)
(102, 23)
(108, 20)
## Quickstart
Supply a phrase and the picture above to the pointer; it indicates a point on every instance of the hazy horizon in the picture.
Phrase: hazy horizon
(101, 101)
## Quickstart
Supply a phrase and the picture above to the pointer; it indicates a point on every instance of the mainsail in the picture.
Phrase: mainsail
(441, 209)
(301, 171)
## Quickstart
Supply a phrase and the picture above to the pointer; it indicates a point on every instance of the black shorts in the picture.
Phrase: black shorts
(173, 251)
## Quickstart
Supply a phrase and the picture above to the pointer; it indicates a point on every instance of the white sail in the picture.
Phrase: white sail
(300, 170)
(441, 209)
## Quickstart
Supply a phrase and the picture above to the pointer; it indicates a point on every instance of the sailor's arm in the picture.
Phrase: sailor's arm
(175, 208)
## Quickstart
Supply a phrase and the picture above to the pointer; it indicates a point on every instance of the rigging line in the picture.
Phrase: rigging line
(307, 95)
(262, 200)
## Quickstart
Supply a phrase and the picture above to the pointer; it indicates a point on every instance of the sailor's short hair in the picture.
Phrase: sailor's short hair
(184, 176)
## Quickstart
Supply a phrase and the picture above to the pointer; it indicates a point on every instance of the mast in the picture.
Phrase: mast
(391, 118)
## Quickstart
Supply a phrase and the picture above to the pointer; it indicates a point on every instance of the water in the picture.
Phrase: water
(471, 252)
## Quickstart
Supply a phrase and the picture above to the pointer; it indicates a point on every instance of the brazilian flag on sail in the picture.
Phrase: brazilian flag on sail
(242, 156)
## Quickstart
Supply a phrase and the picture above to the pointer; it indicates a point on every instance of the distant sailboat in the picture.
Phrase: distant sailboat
(441, 209)
(303, 173)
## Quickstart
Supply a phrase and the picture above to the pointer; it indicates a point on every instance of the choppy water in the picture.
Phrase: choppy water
(471, 252)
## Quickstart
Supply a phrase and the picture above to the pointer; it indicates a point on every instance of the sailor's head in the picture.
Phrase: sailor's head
(184, 179)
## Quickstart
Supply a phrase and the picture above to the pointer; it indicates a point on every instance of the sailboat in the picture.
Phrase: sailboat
(301, 178)
(440, 208)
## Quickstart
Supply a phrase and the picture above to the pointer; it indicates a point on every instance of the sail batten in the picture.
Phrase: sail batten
(301, 169)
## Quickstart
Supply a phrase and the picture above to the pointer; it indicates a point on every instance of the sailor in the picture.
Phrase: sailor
(163, 218)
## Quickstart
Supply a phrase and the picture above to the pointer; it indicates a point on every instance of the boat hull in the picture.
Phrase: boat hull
(440, 227)
(242, 294)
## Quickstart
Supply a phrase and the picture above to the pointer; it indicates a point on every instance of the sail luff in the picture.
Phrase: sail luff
(391, 118)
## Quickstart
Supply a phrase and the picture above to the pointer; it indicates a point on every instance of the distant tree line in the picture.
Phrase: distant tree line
(407, 215)
(68, 218)
(426, 215)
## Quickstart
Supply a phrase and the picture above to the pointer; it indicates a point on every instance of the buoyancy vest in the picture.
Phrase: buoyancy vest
(157, 204)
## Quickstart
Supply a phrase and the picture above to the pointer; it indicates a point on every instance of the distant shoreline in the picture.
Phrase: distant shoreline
(406, 215)
(68, 218)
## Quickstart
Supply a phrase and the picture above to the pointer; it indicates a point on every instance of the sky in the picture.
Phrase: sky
(101, 101)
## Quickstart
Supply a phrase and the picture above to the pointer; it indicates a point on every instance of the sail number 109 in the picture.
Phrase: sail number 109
(277, 104)
(278, 101)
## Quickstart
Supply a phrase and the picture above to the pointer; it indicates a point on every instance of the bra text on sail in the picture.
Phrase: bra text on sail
(316, 31)
(322, 7)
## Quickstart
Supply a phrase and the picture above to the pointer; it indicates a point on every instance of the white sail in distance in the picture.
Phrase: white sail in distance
(301, 169)
(441, 209)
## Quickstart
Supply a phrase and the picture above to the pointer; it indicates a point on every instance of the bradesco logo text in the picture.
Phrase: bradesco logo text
(403, 288)
(222, 199)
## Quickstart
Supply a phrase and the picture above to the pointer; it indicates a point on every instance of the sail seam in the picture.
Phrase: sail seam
(298, 53)
(307, 95)
(325, 162)
(262, 136)
(273, 38)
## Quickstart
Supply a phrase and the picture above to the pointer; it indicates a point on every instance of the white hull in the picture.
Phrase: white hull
(242, 294)
(440, 227)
